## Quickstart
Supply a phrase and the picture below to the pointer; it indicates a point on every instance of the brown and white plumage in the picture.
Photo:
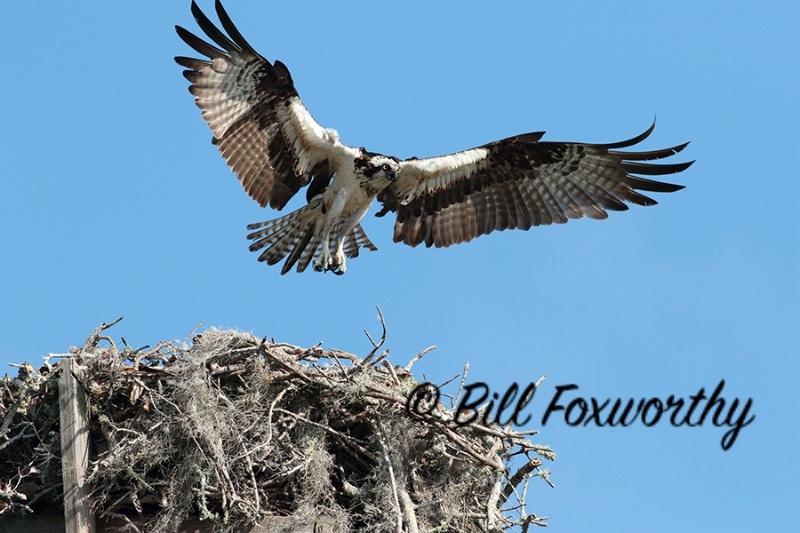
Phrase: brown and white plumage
(276, 148)
(517, 183)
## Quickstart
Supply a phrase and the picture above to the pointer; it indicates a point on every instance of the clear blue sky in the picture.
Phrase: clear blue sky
(115, 203)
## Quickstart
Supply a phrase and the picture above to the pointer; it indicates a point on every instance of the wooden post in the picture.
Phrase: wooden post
(74, 449)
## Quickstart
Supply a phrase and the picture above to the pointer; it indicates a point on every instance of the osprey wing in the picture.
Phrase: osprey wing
(520, 182)
(260, 126)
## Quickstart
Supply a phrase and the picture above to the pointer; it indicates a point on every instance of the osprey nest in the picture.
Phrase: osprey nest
(233, 429)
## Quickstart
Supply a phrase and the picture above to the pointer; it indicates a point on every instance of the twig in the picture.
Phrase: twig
(407, 506)
(191, 334)
(124, 518)
(148, 354)
(461, 386)
(533, 519)
(521, 474)
(95, 337)
(392, 373)
(403, 504)
(329, 429)
(418, 357)
(270, 425)
(493, 503)
(296, 371)
(18, 436)
(376, 346)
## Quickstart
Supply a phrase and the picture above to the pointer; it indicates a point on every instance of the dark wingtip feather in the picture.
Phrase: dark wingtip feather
(635, 140)
(644, 184)
(232, 30)
(198, 44)
(631, 164)
(191, 76)
(212, 31)
(532, 137)
(651, 154)
(191, 63)
(649, 169)
(197, 12)
(680, 147)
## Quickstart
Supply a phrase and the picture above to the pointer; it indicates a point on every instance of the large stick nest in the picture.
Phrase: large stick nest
(234, 428)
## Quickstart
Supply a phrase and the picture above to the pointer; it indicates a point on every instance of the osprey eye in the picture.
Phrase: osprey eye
(385, 167)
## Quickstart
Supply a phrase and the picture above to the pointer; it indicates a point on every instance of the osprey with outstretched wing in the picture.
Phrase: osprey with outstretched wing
(276, 148)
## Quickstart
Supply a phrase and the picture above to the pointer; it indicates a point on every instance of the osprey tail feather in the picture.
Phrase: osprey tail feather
(299, 235)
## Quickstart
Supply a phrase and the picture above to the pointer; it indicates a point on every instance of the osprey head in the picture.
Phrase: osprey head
(377, 171)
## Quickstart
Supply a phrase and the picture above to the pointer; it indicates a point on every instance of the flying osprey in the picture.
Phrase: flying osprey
(276, 148)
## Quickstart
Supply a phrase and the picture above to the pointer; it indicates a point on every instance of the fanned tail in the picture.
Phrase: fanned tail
(298, 235)
(353, 241)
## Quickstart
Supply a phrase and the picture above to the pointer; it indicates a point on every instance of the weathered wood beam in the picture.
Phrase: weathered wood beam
(74, 449)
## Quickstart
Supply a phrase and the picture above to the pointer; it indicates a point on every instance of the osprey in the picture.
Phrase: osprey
(276, 148)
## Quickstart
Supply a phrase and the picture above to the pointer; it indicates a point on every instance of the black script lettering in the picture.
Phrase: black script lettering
(423, 399)
(623, 418)
(470, 407)
(714, 400)
(696, 399)
(554, 405)
(478, 403)
(596, 409)
(487, 410)
(659, 407)
(677, 403)
(577, 402)
(730, 436)
(524, 400)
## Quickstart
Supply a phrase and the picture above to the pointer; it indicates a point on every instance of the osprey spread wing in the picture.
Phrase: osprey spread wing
(276, 148)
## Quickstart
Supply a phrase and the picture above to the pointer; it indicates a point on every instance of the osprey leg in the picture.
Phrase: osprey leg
(300, 236)
(342, 232)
